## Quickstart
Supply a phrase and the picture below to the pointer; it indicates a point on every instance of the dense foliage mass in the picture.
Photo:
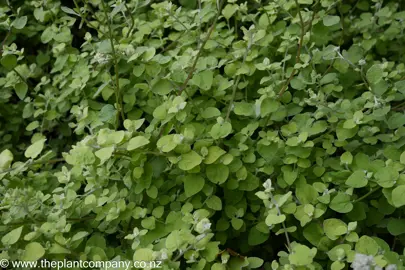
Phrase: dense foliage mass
(207, 134)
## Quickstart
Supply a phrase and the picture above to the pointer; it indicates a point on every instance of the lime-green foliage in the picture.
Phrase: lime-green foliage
(206, 134)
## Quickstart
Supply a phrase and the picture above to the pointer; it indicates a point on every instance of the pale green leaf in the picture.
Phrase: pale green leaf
(21, 90)
(20, 22)
(374, 74)
(193, 184)
(329, 20)
(189, 161)
(6, 158)
(35, 149)
(12, 237)
(137, 142)
(33, 252)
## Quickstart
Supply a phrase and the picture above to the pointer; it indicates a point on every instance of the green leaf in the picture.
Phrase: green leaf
(386, 177)
(329, 20)
(214, 202)
(33, 252)
(374, 74)
(290, 176)
(302, 255)
(20, 22)
(137, 172)
(396, 226)
(396, 120)
(203, 79)
(400, 86)
(138, 70)
(107, 137)
(219, 131)
(174, 240)
(346, 158)
(398, 198)
(91, 199)
(6, 158)
(82, 155)
(68, 10)
(100, 89)
(47, 35)
(79, 235)
(341, 203)
(137, 142)
(152, 192)
(229, 10)
(104, 46)
(306, 194)
(104, 154)
(133, 125)
(334, 228)
(349, 124)
(64, 35)
(193, 184)
(257, 237)
(9, 61)
(237, 223)
(273, 219)
(402, 158)
(210, 112)
(267, 106)
(217, 173)
(34, 149)
(367, 245)
(214, 152)
(21, 89)
(357, 179)
(143, 254)
(162, 87)
(189, 160)
(167, 143)
(337, 265)
(255, 262)
(244, 109)
(148, 54)
(12, 237)
(148, 223)
(218, 266)
(107, 113)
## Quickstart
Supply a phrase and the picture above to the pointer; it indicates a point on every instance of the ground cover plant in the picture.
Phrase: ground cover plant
(205, 134)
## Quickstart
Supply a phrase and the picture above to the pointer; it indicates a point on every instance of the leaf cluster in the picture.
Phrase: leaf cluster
(205, 134)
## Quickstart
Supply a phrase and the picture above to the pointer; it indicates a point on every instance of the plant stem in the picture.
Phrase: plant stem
(282, 223)
(43, 221)
(132, 18)
(117, 79)
(367, 194)
(4, 41)
(174, 42)
(187, 249)
(233, 96)
(21, 76)
(199, 26)
(34, 163)
(235, 86)
(297, 59)
(190, 74)
(84, 18)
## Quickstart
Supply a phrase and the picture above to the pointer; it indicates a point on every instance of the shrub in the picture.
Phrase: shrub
(205, 134)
